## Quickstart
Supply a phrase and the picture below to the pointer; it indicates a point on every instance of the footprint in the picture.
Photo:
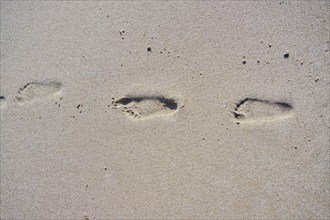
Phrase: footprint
(2, 102)
(142, 107)
(257, 110)
(37, 90)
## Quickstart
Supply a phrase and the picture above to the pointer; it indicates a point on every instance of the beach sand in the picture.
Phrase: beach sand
(165, 110)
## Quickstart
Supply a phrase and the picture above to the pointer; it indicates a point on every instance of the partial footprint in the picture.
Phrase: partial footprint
(142, 107)
(2, 102)
(38, 90)
(257, 110)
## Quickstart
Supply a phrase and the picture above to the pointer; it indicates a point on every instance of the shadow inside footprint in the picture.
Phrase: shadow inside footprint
(254, 110)
(141, 107)
(2, 102)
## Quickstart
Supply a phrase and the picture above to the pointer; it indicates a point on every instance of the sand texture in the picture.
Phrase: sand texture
(164, 110)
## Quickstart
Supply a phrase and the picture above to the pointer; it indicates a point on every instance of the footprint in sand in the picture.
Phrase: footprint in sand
(143, 107)
(2, 102)
(37, 91)
(257, 110)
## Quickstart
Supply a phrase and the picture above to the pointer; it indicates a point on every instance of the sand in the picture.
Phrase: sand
(165, 110)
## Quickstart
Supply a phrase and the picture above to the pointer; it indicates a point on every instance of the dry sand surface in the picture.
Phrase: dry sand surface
(164, 110)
